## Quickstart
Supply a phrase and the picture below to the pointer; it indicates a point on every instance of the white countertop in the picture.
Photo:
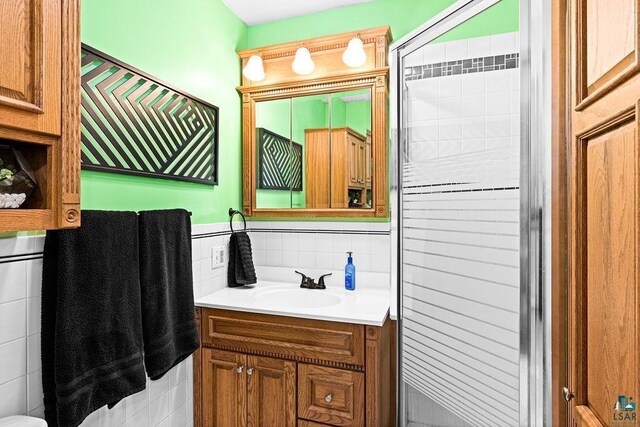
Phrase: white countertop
(335, 304)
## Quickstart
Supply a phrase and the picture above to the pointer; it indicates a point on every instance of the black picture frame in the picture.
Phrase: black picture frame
(142, 139)
(269, 174)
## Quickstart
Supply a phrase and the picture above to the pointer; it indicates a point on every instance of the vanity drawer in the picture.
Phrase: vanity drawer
(302, 339)
(330, 396)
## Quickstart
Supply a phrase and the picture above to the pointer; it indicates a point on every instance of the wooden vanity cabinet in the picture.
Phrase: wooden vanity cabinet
(264, 370)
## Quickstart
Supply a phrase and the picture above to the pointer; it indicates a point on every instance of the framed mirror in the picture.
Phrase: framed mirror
(316, 146)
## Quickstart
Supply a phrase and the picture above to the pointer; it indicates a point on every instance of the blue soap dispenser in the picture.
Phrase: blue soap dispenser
(350, 274)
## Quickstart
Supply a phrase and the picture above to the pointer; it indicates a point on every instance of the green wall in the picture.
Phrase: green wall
(402, 15)
(190, 45)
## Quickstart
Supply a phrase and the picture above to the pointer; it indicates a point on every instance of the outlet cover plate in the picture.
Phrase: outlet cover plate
(217, 257)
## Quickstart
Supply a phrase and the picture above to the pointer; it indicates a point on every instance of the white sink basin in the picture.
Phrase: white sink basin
(364, 306)
(301, 298)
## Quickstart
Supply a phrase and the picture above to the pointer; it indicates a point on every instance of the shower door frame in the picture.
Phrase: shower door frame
(535, 192)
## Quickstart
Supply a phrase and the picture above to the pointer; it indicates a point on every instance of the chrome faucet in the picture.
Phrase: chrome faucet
(309, 283)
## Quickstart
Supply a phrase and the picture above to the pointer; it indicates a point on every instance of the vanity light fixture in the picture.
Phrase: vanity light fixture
(354, 55)
(302, 63)
(254, 70)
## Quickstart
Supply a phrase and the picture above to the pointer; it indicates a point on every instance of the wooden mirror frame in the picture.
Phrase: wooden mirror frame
(331, 75)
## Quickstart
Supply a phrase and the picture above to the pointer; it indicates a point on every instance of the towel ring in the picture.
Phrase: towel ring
(232, 213)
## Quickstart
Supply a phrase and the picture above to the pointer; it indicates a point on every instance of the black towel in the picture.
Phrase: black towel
(91, 323)
(241, 270)
(168, 313)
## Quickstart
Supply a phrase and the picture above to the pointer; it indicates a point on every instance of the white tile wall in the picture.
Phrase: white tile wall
(166, 402)
(206, 279)
(320, 247)
(169, 401)
(467, 115)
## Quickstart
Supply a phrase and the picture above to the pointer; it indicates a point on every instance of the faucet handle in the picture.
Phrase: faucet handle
(307, 282)
(321, 284)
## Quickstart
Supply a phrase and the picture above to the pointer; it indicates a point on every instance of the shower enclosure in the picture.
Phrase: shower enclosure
(462, 247)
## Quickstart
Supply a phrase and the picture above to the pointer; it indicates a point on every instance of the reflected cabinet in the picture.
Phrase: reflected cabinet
(316, 145)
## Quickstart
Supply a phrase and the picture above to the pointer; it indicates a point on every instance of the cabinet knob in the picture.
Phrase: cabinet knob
(328, 398)
(567, 394)
(239, 369)
(250, 371)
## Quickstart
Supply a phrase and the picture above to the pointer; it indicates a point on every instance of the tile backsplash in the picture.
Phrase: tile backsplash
(317, 248)
(279, 247)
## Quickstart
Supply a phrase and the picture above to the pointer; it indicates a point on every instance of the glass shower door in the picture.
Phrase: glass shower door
(459, 164)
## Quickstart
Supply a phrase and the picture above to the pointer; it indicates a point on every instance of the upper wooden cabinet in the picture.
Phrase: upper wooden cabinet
(40, 107)
(289, 169)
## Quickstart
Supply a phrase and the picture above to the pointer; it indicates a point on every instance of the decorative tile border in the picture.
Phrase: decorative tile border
(463, 66)
(319, 231)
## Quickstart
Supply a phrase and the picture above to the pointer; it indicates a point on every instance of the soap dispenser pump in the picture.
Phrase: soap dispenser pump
(350, 274)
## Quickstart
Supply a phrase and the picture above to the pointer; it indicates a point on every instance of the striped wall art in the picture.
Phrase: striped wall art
(133, 123)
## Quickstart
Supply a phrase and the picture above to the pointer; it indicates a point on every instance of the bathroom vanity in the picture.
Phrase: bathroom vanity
(278, 355)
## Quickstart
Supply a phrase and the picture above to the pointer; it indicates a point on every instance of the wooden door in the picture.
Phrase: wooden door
(271, 392)
(224, 388)
(31, 65)
(604, 309)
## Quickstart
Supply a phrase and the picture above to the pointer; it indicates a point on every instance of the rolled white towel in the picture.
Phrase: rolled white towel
(12, 201)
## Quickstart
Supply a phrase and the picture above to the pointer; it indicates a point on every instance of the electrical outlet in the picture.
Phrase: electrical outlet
(217, 257)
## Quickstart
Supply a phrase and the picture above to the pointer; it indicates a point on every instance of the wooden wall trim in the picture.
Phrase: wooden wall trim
(380, 384)
(68, 212)
(559, 212)
(335, 41)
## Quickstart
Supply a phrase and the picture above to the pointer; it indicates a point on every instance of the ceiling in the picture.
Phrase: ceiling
(254, 12)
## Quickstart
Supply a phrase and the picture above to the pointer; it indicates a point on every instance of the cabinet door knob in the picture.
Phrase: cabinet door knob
(239, 369)
(567, 394)
(328, 398)
(250, 371)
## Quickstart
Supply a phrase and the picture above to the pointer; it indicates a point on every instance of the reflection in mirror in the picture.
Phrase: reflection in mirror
(315, 151)
(308, 115)
(276, 172)
(351, 162)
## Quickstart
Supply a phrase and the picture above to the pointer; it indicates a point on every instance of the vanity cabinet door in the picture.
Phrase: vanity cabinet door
(271, 392)
(224, 391)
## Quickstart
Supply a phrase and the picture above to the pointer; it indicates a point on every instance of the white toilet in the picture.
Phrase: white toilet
(22, 421)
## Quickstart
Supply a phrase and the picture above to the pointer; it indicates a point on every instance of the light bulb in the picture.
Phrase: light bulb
(354, 55)
(254, 70)
(302, 63)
